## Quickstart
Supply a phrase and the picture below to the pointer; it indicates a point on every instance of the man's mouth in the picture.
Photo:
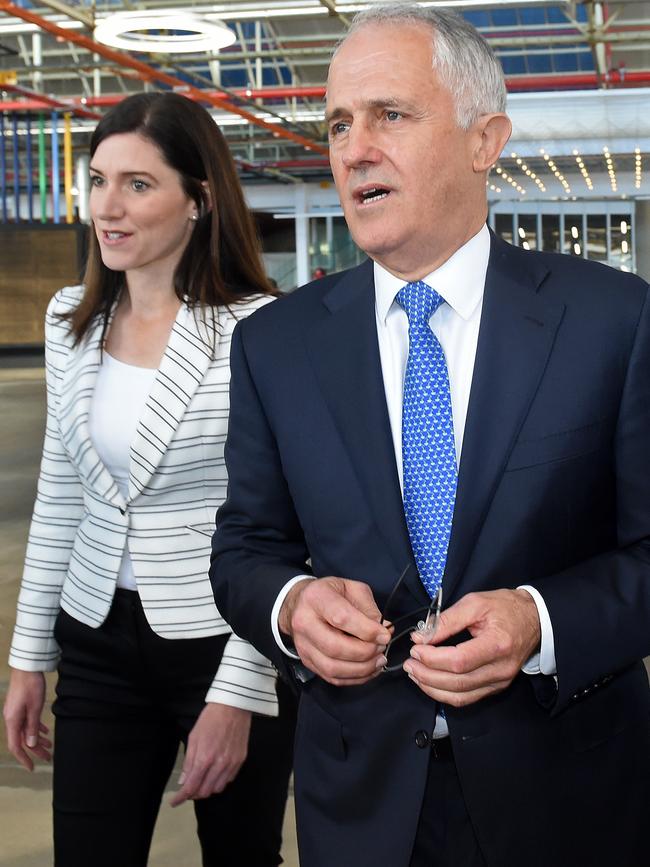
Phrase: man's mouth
(369, 195)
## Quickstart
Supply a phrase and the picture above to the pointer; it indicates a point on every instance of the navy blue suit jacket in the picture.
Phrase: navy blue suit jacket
(553, 490)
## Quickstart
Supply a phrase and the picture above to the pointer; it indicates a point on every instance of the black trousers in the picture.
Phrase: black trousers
(445, 837)
(126, 699)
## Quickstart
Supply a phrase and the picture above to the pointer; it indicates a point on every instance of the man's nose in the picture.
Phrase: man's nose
(361, 147)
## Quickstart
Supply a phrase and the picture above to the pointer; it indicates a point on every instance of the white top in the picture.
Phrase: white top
(119, 397)
(461, 282)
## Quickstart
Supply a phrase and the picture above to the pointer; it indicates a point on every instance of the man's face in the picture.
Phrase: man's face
(402, 165)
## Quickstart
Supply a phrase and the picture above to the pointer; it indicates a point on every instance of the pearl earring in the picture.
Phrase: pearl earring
(194, 218)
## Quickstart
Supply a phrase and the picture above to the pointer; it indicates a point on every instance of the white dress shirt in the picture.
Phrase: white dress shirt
(460, 281)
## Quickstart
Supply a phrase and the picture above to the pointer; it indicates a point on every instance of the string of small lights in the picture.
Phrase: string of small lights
(583, 169)
(637, 168)
(610, 169)
(528, 172)
(509, 180)
(558, 174)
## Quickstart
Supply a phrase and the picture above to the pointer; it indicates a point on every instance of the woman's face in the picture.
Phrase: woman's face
(141, 214)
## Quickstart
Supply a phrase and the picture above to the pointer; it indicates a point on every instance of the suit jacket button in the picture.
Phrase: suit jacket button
(421, 739)
(122, 511)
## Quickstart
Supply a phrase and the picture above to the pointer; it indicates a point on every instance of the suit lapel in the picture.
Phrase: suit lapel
(183, 366)
(517, 332)
(77, 388)
(344, 353)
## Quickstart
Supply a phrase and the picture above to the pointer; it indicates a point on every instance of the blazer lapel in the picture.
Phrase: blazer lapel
(517, 332)
(77, 388)
(183, 366)
(344, 352)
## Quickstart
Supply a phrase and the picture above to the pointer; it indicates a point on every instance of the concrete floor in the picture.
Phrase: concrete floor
(25, 825)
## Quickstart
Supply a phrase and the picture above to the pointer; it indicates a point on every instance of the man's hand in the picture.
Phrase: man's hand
(22, 714)
(335, 626)
(505, 631)
(216, 749)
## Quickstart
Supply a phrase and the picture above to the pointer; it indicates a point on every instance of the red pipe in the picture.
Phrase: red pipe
(41, 100)
(577, 80)
(514, 84)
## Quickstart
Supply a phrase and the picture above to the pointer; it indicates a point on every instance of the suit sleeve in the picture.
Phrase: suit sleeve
(57, 512)
(258, 544)
(600, 608)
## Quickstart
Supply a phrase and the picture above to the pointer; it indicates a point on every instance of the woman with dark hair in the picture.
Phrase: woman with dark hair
(115, 592)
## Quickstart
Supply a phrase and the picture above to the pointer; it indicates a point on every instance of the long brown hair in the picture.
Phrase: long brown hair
(222, 262)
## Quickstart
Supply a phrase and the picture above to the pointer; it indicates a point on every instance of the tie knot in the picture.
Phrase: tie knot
(419, 301)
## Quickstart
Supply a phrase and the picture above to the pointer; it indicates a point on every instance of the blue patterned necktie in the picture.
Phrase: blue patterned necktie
(428, 449)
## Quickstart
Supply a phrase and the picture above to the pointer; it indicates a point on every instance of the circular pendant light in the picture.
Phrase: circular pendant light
(160, 32)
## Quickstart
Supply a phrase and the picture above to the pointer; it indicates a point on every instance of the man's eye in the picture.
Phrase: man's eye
(338, 128)
(393, 115)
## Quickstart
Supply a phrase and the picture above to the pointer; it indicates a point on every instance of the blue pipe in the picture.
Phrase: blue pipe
(14, 130)
(3, 168)
(55, 167)
(30, 179)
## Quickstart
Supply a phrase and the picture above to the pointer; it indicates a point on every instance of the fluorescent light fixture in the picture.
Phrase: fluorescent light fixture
(460, 4)
(141, 31)
(18, 28)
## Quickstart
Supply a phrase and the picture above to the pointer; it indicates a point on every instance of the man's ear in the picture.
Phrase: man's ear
(207, 198)
(494, 131)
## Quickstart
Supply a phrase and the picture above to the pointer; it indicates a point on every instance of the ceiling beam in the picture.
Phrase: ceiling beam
(75, 12)
(146, 72)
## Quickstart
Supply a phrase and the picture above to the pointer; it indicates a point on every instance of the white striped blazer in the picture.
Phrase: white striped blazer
(81, 521)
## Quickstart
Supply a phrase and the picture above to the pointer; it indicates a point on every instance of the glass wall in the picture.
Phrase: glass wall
(597, 237)
(527, 231)
(599, 230)
(621, 242)
(551, 233)
(331, 247)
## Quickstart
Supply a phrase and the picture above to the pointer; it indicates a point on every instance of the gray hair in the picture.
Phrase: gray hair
(464, 61)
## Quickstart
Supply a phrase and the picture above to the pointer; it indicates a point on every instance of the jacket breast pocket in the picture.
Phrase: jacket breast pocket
(608, 710)
(561, 445)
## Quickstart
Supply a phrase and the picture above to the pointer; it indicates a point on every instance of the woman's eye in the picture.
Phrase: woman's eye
(138, 185)
(96, 181)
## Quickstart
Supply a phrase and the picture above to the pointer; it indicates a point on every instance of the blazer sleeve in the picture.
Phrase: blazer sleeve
(259, 543)
(600, 608)
(245, 679)
(57, 513)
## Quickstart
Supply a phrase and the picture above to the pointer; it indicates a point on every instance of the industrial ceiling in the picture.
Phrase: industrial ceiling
(578, 75)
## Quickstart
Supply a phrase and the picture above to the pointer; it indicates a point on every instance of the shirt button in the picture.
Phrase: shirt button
(421, 739)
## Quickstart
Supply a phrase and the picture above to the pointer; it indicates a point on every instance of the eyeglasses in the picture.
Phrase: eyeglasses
(398, 648)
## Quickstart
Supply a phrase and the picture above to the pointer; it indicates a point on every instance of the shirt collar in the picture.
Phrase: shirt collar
(460, 280)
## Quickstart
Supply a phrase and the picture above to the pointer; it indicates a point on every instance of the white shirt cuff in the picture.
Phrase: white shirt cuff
(275, 614)
(544, 661)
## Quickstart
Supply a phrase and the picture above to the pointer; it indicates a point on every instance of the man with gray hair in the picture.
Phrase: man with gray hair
(438, 519)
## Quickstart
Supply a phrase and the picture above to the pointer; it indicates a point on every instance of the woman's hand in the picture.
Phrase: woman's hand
(216, 749)
(22, 714)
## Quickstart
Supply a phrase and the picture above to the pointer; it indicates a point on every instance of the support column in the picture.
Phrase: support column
(82, 183)
(642, 238)
(302, 235)
(329, 237)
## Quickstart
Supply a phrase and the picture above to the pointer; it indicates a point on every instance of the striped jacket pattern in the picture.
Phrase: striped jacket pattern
(81, 521)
